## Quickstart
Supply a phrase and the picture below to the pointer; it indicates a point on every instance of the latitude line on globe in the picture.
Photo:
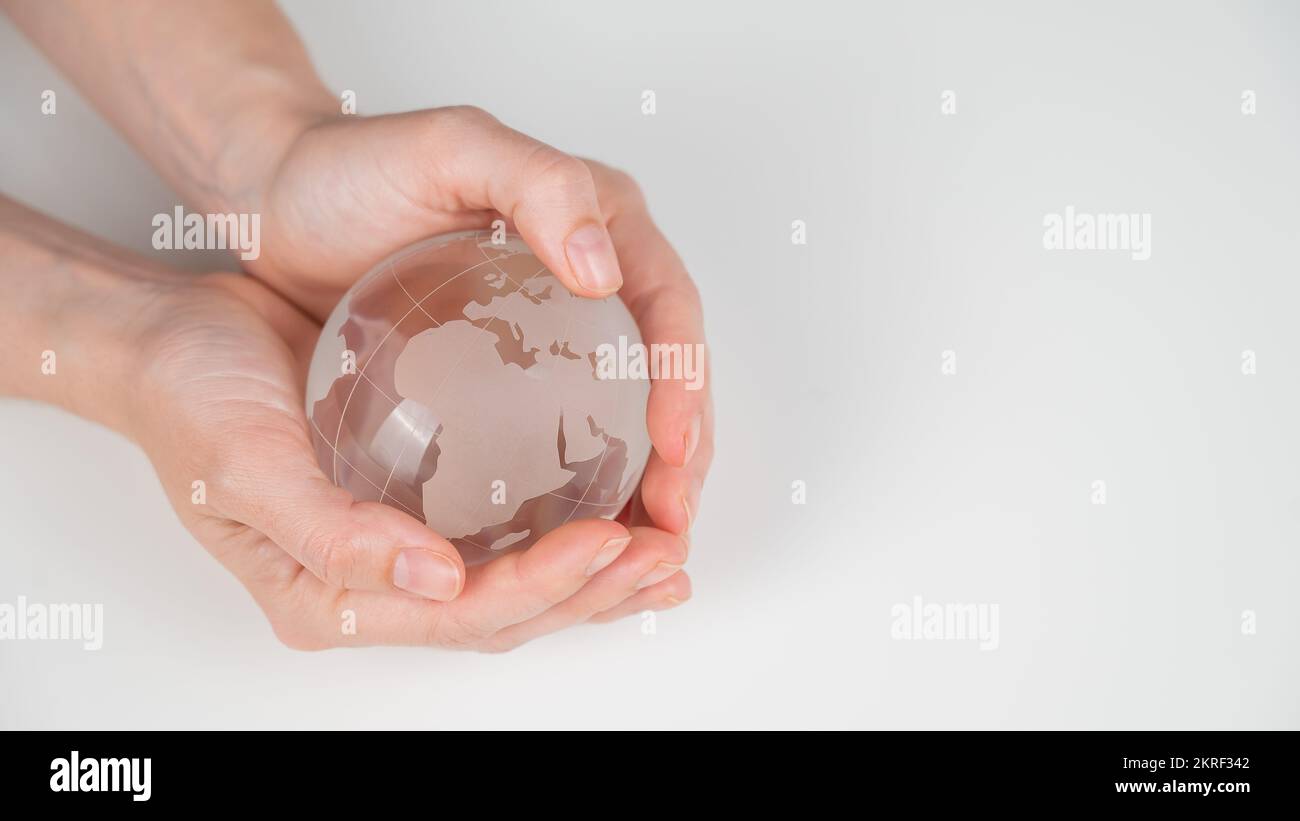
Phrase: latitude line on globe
(392, 269)
(618, 396)
(324, 439)
(379, 389)
(519, 286)
(465, 352)
(569, 320)
(617, 401)
(393, 469)
(582, 502)
(466, 349)
(416, 304)
(344, 412)
(564, 339)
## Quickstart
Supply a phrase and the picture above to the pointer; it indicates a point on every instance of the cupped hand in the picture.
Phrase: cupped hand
(218, 408)
(349, 191)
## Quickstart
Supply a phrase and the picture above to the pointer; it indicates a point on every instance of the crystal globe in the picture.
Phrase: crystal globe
(458, 381)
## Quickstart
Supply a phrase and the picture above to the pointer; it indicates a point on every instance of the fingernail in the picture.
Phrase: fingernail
(592, 258)
(609, 551)
(686, 506)
(672, 601)
(426, 574)
(691, 439)
(661, 571)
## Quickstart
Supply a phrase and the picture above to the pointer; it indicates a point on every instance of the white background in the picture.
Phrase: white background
(924, 235)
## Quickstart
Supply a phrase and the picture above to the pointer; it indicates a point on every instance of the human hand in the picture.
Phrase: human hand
(223, 101)
(219, 401)
(348, 191)
(206, 374)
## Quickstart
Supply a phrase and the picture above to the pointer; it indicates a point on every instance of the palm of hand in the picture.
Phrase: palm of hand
(224, 373)
(224, 395)
(346, 195)
(231, 361)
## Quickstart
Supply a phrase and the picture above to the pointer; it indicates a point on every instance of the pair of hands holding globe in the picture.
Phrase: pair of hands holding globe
(230, 359)
(216, 391)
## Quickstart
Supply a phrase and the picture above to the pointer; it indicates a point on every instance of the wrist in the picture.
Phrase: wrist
(74, 317)
(211, 94)
(253, 140)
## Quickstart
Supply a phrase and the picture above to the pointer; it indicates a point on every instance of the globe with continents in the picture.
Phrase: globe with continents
(458, 381)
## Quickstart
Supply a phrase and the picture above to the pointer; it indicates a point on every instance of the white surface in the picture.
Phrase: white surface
(924, 235)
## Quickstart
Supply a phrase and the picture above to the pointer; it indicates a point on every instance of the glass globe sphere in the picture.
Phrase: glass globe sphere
(458, 381)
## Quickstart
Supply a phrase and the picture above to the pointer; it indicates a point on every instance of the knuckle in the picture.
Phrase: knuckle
(457, 633)
(550, 168)
(671, 550)
(452, 125)
(332, 558)
(466, 116)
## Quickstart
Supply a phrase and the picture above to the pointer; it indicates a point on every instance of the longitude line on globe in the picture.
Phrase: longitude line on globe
(344, 413)
(392, 269)
(517, 446)
(465, 351)
(358, 471)
(569, 319)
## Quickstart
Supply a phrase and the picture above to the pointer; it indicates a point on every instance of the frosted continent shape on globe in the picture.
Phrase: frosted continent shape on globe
(458, 381)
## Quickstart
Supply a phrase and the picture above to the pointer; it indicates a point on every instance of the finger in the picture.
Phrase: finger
(266, 477)
(669, 496)
(666, 305)
(519, 586)
(308, 615)
(669, 593)
(679, 415)
(292, 325)
(548, 195)
(271, 483)
(679, 396)
(653, 556)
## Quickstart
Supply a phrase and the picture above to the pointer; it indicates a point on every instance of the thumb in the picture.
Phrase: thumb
(346, 544)
(548, 195)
